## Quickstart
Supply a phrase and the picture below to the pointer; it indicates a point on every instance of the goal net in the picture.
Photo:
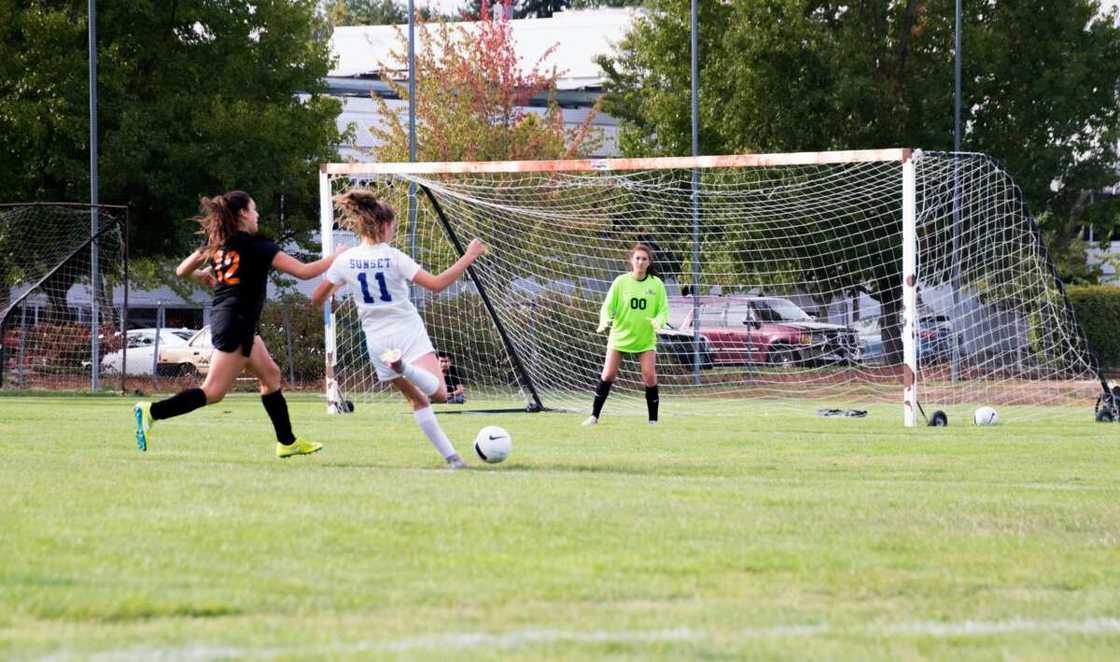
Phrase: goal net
(63, 292)
(837, 279)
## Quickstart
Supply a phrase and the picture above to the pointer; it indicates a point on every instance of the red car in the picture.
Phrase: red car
(747, 329)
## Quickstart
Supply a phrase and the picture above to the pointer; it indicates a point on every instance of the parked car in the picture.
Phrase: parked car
(141, 344)
(677, 347)
(192, 358)
(935, 339)
(746, 329)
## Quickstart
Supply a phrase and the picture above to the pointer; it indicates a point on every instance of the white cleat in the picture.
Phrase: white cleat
(589, 421)
(455, 462)
(392, 358)
(653, 422)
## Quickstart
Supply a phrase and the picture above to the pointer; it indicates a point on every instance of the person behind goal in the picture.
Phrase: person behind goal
(379, 275)
(636, 307)
(239, 262)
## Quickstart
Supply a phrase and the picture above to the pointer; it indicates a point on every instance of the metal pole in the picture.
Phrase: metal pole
(695, 201)
(21, 368)
(412, 134)
(957, 79)
(288, 338)
(155, 341)
(94, 348)
(955, 369)
(124, 308)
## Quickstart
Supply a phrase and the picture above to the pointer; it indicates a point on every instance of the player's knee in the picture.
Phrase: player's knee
(213, 394)
(439, 396)
(420, 401)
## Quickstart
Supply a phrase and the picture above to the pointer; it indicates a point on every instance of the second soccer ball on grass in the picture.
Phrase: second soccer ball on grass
(493, 444)
(985, 416)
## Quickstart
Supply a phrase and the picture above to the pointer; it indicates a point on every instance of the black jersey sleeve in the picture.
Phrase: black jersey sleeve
(266, 250)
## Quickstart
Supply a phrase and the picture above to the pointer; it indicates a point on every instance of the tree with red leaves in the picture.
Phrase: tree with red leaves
(472, 99)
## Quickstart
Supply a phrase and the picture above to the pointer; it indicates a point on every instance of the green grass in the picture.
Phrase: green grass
(741, 531)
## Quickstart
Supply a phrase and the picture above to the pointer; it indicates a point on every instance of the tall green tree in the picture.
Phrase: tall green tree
(196, 97)
(372, 12)
(1041, 90)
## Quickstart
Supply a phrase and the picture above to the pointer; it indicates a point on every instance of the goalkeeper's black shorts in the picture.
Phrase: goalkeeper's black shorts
(230, 331)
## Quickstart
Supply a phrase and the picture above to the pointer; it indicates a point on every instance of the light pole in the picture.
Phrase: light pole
(94, 285)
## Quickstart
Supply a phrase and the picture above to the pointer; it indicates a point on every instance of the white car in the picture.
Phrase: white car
(188, 359)
(141, 349)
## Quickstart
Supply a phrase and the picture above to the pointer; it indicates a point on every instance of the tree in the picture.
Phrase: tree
(196, 97)
(546, 8)
(371, 12)
(1041, 86)
(472, 99)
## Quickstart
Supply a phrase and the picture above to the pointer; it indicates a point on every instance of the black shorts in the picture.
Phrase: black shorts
(230, 331)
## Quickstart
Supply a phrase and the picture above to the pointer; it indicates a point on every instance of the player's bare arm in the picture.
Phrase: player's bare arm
(323, 291)
(305, 270)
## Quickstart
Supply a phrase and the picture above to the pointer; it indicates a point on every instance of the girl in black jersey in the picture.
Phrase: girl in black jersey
(239, 262)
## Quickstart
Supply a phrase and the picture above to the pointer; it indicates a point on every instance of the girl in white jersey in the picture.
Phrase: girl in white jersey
(378, 276)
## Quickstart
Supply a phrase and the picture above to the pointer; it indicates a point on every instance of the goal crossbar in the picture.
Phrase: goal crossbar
(897, 154)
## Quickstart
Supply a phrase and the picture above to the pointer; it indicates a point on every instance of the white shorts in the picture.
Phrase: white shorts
(410, 337)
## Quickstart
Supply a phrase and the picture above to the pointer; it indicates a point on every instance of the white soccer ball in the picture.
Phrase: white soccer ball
(493, 444)
(985, 416)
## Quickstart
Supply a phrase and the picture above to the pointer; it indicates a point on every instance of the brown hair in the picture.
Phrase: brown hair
(652, 269)
(221, 217)
(365, 214)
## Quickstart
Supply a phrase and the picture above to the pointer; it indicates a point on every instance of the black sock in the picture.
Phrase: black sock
(181, 403)
(277, 409)
(652, 401)
(601, 393)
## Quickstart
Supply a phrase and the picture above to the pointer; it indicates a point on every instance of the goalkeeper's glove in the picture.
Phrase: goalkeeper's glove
(602, 327)
(656, 324)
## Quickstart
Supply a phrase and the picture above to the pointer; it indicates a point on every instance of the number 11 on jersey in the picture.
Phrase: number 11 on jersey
(364, 281)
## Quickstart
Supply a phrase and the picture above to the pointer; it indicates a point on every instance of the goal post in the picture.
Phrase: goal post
(841, 278)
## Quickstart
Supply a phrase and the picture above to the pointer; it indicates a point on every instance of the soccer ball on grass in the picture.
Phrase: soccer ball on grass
(985, 416)
(493, 444)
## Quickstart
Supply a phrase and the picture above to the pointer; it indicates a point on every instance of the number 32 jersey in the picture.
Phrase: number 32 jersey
(241, 268)
(378, 276)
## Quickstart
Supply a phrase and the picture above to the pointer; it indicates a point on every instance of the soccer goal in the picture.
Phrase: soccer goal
(64, 294)
(831, 279)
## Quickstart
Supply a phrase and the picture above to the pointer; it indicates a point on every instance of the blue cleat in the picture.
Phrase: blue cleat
(142, 411)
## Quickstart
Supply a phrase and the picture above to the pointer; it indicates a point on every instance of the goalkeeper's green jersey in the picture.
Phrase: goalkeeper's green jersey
(630, 306)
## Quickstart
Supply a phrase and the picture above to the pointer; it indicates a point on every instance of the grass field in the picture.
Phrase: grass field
(739, 531)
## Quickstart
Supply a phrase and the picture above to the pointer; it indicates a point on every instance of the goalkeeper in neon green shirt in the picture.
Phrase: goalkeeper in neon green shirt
(635, 310)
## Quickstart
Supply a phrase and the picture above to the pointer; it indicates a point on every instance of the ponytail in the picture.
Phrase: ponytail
(364, 214)
(220, 218)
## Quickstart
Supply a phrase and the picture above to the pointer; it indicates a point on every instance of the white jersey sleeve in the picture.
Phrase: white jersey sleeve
(407, 268)
(340, 273)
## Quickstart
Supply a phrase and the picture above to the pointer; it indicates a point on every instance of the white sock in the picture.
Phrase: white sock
(426, 419)
(426, 381)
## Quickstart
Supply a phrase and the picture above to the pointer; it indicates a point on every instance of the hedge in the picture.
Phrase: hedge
(1098, 310)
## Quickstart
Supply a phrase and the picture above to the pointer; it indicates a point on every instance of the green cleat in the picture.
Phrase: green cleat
(297, 447)
(142, 412)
